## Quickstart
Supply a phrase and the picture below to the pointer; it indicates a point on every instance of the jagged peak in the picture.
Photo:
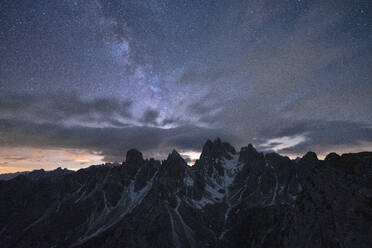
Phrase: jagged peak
(207, 146)
(174, 153)
(217, 149)
(174, 166)
(174, 156)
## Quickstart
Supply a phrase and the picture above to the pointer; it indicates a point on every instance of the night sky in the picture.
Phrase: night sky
(81, 82)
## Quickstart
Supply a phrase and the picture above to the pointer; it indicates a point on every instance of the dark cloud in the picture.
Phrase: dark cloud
(320, 136)
(64, 108)
(167, 122)
(150, 116)
(105, 76)
(110, 142)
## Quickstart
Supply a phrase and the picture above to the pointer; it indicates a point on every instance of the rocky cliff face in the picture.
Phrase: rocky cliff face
(227, 199)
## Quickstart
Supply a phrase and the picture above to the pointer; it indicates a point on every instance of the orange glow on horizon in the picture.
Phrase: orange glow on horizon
(27, 159)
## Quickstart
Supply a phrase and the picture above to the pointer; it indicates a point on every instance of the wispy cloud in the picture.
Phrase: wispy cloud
(103, 77)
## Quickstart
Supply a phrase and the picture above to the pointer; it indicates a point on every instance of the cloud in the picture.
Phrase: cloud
(291, 76)
(64, 108)
(46, 158)
(291, 66)
(319, 136)
(150, 116)
(110, 142)
(282, 143)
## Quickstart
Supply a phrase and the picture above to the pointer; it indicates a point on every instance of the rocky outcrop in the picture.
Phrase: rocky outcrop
(227, 199)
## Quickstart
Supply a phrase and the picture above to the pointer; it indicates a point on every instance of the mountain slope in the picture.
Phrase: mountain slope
(227, 199)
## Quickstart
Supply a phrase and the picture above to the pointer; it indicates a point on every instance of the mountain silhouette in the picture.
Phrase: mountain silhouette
(227, 199)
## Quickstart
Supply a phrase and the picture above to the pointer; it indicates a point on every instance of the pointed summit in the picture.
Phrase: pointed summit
(212, 155)
(175, 158)
(217, 149)
(174, 166)
(174, 155)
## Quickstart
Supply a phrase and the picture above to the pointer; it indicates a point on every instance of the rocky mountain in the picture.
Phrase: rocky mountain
(228, 198)
(36, 174)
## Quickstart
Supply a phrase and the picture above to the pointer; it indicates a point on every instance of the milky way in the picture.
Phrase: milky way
(100, 77)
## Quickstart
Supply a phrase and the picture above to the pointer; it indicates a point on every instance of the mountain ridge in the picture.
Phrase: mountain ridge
(227, 199)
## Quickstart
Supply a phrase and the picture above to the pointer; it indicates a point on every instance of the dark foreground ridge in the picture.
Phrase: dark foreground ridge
(227, 199)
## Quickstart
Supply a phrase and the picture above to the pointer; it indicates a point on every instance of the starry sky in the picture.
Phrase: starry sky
(81, 82)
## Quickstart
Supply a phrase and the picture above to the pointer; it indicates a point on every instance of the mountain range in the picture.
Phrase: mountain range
(228, 198)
